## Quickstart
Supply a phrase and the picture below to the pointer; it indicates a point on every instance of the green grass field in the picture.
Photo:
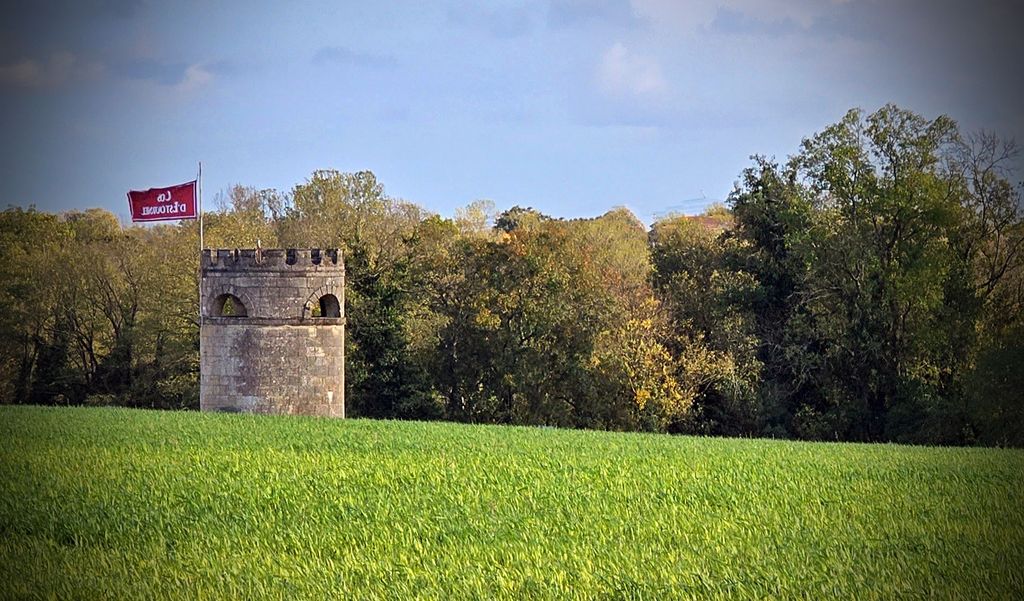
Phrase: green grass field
(115, 503)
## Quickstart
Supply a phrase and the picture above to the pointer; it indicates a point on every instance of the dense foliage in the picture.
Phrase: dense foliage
(107, 503)
(870, 288)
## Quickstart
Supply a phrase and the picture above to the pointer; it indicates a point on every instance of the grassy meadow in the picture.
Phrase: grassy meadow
(118, 503)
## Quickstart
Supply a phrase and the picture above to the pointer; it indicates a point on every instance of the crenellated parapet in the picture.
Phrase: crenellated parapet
(274, 283)
(292, 259)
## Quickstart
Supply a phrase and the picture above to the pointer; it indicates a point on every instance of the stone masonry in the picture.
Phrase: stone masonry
(273, 331)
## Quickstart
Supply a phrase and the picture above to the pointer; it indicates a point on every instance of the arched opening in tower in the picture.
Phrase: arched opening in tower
(228, 305)
(329, 306)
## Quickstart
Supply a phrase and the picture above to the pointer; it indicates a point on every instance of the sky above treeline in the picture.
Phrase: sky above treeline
(570, 106)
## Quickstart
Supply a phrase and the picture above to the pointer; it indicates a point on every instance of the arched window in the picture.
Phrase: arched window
(328, 307)
(228, 305)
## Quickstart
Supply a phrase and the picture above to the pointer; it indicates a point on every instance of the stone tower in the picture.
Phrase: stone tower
(273, 331)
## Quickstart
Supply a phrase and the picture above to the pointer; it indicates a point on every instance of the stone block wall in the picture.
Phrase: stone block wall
(264, 368)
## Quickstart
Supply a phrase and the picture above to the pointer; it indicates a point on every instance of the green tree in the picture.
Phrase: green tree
(694, 276)
(875, 252)
(377, 235)
(31, 250)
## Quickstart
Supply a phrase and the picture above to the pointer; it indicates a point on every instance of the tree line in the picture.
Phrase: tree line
(869, 288)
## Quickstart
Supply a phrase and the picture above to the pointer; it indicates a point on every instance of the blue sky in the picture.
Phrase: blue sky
(572, 107)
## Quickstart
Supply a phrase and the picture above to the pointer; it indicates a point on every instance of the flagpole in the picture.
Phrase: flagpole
(200, 211)
(200, 203)
(200, 274)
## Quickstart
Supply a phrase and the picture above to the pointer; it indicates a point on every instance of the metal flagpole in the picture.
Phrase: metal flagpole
(199, 182)
(200, 210)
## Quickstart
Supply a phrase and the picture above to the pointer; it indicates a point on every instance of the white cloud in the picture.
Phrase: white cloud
(691, 15)
(196, 76)
(672, 14)
(23, 74)
(63, 68)
(60, 68)
(623, 72)
(193, 81)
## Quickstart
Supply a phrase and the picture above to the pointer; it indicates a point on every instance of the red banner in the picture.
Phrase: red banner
(160, 204)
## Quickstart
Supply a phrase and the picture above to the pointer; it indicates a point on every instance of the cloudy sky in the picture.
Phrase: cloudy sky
(571, 106)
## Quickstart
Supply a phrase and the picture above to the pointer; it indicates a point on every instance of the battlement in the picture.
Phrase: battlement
(255, 259)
